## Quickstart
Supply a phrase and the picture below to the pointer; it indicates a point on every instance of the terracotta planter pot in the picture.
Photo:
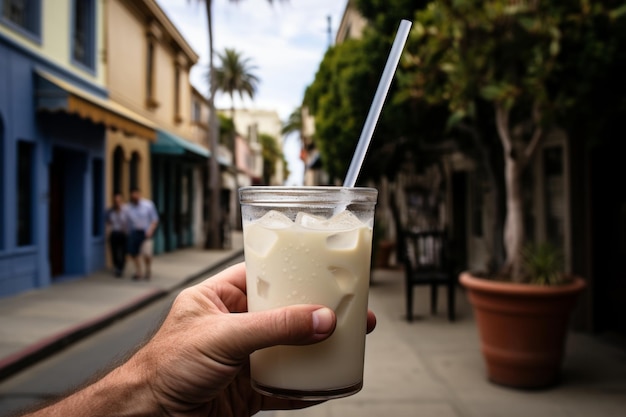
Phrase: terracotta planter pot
(522, 328)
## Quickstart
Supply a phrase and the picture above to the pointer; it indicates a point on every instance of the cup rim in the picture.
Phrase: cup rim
(304, 187)
(259, 194)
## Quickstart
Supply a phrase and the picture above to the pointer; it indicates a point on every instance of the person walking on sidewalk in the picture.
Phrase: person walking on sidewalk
(142, 223)
(117, 221)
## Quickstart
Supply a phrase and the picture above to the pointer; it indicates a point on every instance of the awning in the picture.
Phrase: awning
(54, 94)
(169, 144)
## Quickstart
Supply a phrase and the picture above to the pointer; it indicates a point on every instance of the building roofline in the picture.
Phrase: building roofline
(197, 92)
(152, 10)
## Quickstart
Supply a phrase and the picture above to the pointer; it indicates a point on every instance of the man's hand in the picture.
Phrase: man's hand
(151, 230)
(197, 362)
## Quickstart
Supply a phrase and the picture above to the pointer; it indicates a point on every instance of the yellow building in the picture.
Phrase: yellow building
(148, 73)
(352, 24)
(144, 54)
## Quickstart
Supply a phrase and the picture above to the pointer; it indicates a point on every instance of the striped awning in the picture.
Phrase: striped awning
(54, 94)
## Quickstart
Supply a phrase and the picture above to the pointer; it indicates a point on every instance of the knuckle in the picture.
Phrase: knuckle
(290, 325)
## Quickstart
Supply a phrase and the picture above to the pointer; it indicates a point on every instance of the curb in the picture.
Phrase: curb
(51, 344)
(43, 348)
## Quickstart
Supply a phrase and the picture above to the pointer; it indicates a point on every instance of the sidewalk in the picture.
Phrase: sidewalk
(432, 367)
(427, 368)
(36, 323)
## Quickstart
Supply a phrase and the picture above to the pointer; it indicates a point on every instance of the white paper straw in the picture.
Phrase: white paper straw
(377, 103)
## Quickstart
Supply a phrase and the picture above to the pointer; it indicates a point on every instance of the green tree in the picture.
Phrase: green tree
(383, 16)
(505, 60)
(336, 101)
(272, 154)
(342, 92)
(293, 123)
(235, 75)
(227, 132)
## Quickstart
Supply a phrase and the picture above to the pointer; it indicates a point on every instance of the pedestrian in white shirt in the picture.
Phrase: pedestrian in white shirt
(142, 223)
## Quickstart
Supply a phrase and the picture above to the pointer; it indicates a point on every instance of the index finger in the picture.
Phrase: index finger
(230, 285)
(226, 288)
(234, 275)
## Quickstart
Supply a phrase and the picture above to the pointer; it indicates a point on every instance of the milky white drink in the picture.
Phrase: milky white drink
(299, 253)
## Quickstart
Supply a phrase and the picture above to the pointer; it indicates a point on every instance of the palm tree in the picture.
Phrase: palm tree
(234, 75)
(213, 240)
(293, 122)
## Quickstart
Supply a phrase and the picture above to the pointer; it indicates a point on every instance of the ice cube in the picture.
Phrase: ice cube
(259, 239)
(262, 287)
(310, 221)
(344, 221)
(346, 280)
(274, 220)
(343, 240)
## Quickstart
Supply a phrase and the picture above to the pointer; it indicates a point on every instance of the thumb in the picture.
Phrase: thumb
(293, 325)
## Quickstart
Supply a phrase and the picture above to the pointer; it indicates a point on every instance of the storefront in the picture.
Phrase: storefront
(52, 191)
(177, 168)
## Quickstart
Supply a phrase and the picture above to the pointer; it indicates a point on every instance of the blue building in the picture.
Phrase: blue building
(54, 114)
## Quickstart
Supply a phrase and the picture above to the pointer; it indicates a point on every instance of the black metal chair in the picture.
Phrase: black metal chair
(426, 259)
(426, 262)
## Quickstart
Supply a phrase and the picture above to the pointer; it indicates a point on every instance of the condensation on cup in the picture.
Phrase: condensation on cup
(310, 245)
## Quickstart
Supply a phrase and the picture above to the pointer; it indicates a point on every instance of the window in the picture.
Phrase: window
(23, 15)
(118, 169)
(184, 193)
(177, 117)
(97, 188)
(195, 111)
(134, 170)
(83, 33)
(348, 33)
(151, 102)
(25, 190)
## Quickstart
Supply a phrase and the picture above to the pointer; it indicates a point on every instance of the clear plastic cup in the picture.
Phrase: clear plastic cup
(310, 245)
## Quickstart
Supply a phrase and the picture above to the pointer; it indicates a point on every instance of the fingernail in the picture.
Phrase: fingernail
(323, 321)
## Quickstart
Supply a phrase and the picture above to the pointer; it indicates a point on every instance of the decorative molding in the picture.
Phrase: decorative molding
(153, 30)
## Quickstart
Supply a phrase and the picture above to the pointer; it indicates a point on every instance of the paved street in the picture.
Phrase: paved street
(77, 364)
(46, 319)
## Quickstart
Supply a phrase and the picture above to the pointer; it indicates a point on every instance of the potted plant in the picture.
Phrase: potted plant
(523, 326)
(500, 69)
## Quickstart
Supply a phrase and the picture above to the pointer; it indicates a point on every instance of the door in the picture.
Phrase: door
(56, 224)
(67, 229)
(458, 240)
(608, 203)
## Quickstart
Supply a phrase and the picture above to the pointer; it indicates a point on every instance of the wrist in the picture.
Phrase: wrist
(131, 384)
(124, 392)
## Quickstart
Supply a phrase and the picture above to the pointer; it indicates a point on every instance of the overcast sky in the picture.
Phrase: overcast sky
(286, 40)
